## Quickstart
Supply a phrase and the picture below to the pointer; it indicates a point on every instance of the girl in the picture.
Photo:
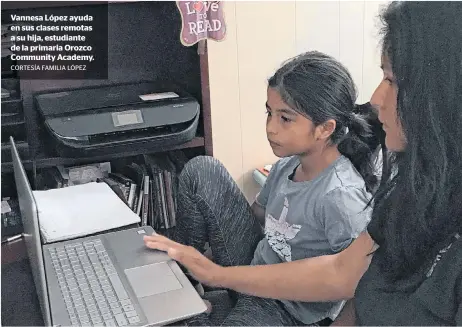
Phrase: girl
(313, 201)
(413, 244)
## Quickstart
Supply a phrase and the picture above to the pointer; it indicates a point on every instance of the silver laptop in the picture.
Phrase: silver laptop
(110, 279)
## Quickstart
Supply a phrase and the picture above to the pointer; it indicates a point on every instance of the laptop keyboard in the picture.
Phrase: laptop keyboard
(91, 287)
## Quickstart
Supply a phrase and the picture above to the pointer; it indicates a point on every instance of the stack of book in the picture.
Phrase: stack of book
(148, 187)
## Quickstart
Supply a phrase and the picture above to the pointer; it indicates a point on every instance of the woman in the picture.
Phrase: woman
(412, 250)
(312, 203)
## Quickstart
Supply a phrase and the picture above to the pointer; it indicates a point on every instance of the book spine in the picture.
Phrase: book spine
(163, 202)
(140, 198)
(145, 210)
(158, 202)
(152, 212)
(131, 196)
(169, 198)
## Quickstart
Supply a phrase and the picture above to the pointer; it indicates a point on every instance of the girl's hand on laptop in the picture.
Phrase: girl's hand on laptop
(199, 266)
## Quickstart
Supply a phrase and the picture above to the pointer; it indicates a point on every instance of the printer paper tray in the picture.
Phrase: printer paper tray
(130, 142)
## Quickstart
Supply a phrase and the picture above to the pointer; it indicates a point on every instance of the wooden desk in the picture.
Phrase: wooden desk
(20, 306)
(13, 251)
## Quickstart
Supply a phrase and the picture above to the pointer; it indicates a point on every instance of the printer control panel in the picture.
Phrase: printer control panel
(128, 117)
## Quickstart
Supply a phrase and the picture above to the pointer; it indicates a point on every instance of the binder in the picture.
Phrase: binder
(80, 210)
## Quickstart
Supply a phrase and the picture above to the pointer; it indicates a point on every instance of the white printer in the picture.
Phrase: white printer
(117, 118)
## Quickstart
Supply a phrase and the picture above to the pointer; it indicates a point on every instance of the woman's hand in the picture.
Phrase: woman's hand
(201, 268)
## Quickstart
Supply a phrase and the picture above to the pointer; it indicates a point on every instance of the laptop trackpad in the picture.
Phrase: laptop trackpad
(152, 279)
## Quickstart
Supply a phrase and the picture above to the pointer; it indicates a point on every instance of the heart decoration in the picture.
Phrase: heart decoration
(201, 20)
(198, 6)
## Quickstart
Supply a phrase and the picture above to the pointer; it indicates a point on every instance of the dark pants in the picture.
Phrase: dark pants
(211, 208)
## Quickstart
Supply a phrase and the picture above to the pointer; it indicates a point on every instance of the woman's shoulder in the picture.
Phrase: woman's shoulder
(441, 291)
(448, 257)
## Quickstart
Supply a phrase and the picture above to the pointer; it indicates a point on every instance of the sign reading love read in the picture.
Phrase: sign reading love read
(201, 20)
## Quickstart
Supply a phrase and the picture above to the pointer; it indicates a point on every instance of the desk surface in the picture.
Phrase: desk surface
(20, 306)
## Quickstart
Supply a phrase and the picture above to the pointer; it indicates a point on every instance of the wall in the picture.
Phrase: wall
(260, 36)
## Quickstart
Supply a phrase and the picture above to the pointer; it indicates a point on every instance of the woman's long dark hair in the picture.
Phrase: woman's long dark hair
(421, 205)
(319, 87)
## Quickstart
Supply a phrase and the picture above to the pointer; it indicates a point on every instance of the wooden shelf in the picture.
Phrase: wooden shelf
(12, 121)
(22, 147)
(13, 5)
(156, 54)
(15, 126)
(44, 161)
(7, 167)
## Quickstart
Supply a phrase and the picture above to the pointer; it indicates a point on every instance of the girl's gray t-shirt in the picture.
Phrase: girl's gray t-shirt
(309, 219)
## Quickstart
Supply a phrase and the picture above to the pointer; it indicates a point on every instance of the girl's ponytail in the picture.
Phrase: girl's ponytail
(364, 138)
(356, 146)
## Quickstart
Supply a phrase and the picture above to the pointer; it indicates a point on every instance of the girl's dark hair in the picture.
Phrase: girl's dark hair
(320, 88)
(376, 140)
(420, 206)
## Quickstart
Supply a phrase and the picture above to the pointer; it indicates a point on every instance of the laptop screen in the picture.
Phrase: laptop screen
(30, 223)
